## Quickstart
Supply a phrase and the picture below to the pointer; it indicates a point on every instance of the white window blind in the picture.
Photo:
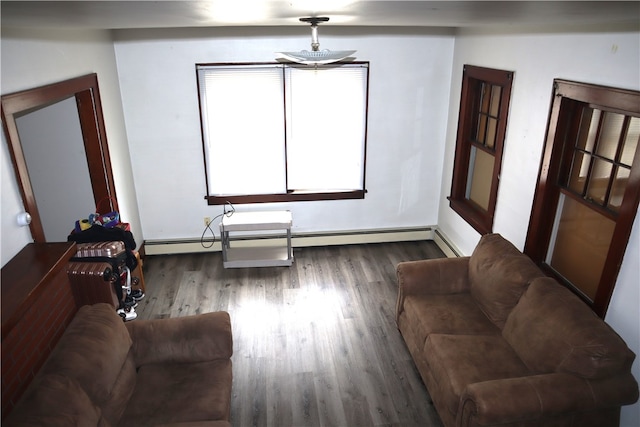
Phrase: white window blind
(326, 128)
(275, 129)
(243, 115)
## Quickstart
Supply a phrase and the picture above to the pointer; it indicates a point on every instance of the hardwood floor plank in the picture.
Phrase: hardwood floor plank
(330, 405)
(315, 344)
(305, 406)
(248, 403)
(191, 297)
(279, 408)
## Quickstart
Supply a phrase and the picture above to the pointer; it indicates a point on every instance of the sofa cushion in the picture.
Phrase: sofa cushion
(552, 330)
(218, 423)
(499, 273)
(459, 360)
(121, 392)
(446, 314)
(92, 351)
(195, 338)
(53, 400)
(180, 392)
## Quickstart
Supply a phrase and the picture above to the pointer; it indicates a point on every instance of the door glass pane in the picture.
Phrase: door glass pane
(496, 92)
(579, 171)
(580, 244)
(480, 176)
(618, 189)
(491, 132)
(588, 129)
(599, 181)
(488, 115)
(486, 98)
(482, 128)
(631, 142)
(610, 135)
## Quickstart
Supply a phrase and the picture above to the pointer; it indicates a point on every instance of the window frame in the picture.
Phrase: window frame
(290, 195)
(472, 79)
(567, 98)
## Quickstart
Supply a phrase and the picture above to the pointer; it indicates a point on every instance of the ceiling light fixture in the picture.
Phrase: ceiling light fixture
(316, 56)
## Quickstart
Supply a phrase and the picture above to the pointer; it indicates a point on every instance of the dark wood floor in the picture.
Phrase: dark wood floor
(315, 344)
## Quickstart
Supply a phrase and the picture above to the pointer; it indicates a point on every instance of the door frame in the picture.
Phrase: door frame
(87, 94)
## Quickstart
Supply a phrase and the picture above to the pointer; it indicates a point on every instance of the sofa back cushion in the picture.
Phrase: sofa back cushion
(93, 351)
(552, 330)
(499, 273)
(53, 400)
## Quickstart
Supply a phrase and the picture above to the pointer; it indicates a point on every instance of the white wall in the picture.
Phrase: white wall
(409, 94)
(607, 58)
(33, 58)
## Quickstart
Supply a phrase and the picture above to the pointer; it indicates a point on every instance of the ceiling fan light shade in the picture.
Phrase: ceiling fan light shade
(317, 56)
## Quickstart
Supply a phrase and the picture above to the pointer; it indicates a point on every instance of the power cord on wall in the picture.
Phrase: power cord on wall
(227, 211)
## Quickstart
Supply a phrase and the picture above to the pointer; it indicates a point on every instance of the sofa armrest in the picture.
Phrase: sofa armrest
(431, 276)
(190, 339)
(434, 276)
(539, 396)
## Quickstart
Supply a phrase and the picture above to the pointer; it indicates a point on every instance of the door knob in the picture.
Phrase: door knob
(24, 219)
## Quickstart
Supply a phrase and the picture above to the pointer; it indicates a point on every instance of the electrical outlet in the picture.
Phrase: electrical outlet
(207, 221)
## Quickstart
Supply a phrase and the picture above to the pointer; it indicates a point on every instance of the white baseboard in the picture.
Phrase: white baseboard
(298, 240)
(445, 245)
(182, 246)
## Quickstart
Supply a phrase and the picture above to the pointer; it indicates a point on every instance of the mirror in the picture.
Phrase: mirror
(18, 111)
(51, 140)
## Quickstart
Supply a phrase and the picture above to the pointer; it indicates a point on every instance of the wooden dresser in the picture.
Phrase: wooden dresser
(37, 306)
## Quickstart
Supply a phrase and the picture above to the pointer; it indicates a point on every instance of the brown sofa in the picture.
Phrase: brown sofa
(166, 372)
(498, 343)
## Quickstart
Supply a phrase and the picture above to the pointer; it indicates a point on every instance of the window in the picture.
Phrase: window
(482, 124)
(588, 188)
(275, 133)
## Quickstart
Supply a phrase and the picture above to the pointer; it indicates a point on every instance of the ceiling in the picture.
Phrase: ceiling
(114, 14)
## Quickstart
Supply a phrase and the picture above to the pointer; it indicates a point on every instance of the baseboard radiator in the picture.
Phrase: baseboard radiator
(445, 245)
(298, 240)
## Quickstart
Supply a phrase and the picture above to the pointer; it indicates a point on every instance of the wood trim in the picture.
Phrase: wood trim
(86, 91)
(567, 98)
(95, 143)
(622, 233)
(606, 97)
(479, 219)
(474, 216)
(545, 198)
(22, 174)
(289, 197)
(292, 196)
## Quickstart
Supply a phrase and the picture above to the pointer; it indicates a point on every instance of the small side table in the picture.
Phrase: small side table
(256, 255)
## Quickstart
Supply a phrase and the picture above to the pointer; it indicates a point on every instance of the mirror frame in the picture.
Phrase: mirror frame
(85, 90)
